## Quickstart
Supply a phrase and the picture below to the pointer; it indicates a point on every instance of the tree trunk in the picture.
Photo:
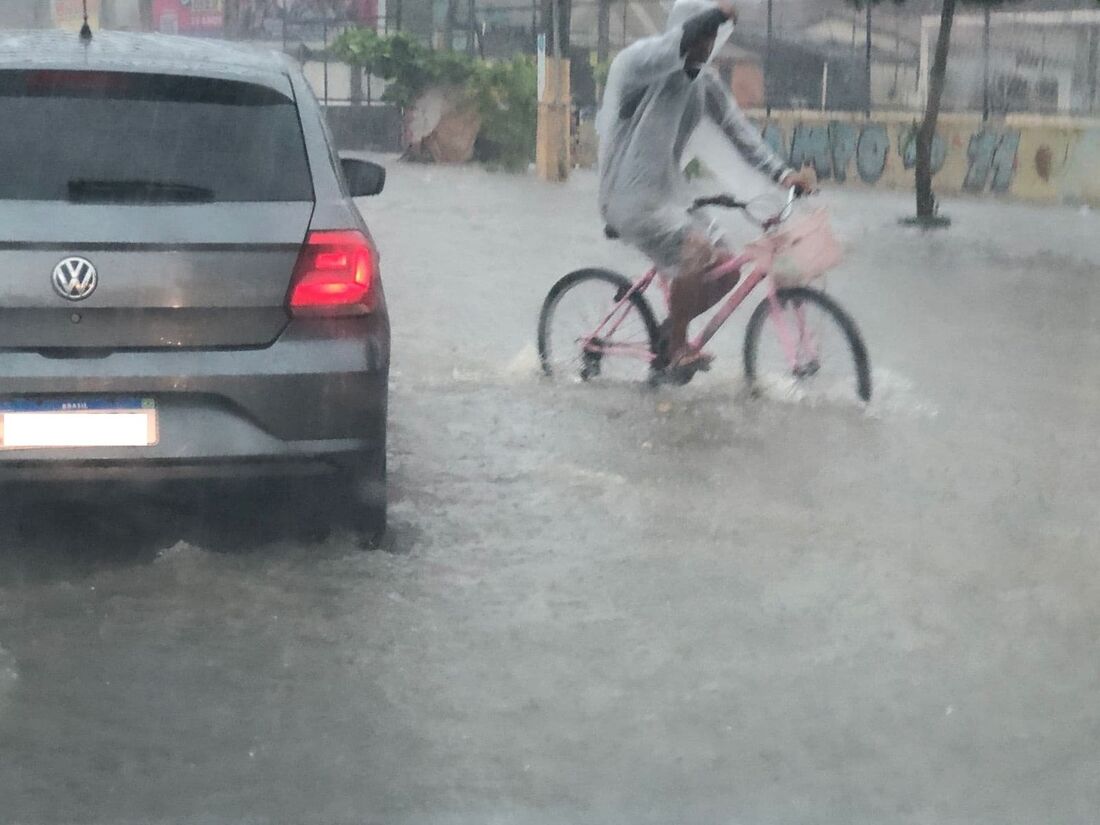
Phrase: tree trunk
(926, 203)
(603, 30)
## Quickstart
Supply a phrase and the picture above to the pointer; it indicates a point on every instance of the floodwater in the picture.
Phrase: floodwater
(610, 604)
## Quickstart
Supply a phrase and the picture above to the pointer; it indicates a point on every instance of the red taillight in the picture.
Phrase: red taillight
(335, 275)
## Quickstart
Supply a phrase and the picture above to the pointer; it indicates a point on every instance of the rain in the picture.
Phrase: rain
(599, 598)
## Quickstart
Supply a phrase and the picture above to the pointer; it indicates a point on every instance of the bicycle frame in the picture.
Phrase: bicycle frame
(762, 267)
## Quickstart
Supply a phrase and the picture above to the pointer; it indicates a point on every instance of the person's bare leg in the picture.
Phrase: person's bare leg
(686, 293)
(693, 293)
(715, 289)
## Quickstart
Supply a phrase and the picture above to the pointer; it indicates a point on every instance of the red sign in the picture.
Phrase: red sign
(189, 16)
(366, 11)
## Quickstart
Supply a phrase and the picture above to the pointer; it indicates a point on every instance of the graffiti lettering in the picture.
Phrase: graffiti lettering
(843, 138)
(991, 154)
(833, 147)
(810, 144)
(907, 146)
(871, 152)
(773, 136)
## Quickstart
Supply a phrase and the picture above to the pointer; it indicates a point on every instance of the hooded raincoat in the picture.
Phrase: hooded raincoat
(652, 104)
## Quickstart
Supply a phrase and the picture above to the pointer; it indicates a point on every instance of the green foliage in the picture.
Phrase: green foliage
(408, 67)
(502, 91)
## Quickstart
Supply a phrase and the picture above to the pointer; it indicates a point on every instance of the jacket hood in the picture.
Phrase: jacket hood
(684, 10)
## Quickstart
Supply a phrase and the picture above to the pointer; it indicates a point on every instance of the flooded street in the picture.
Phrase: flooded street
(609, 604)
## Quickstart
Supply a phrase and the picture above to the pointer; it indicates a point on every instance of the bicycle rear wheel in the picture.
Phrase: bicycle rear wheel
(812, 346)
(585, 334)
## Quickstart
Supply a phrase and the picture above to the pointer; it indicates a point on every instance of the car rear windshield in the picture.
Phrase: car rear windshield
(120, 137)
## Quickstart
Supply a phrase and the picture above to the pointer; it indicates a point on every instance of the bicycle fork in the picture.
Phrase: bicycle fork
(796, 343)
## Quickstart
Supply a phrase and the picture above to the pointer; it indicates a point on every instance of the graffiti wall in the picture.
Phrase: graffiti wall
(1052, 162)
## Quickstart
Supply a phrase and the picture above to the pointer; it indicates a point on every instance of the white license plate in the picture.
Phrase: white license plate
(36, 423)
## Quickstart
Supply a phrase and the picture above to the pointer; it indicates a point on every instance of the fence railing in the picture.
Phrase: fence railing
(813, 55)
(1004, 62)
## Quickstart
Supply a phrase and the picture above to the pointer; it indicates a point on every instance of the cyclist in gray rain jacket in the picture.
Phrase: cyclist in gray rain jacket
(658, 90)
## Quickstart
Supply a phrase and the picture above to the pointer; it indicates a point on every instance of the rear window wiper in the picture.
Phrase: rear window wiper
(137, 191)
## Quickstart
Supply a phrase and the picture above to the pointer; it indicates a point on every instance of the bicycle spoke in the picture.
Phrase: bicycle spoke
(591, 311)
(822, 362)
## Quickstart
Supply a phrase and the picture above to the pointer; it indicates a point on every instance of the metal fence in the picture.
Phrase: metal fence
(1023, 58)
(1034, 62)
(785, 54)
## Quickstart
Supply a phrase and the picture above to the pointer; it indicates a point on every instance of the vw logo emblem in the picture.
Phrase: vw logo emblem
(75, 279)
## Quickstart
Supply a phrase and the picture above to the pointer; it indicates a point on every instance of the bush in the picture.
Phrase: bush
(502, 91)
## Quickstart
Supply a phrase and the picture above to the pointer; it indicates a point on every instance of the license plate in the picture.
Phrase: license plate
(39, 423)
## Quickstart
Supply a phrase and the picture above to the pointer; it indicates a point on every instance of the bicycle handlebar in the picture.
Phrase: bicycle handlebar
(730, 202)
(725, 201)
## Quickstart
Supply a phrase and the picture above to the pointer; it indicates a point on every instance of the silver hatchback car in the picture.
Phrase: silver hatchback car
(186, 287)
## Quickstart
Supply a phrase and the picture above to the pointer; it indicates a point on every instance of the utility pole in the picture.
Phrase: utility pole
(556, 19)
(768, 58)
(867, 108)
(229, 14)
(603, 30)
(553, 139)
(449, 26)
(471, 27)
(1094, 65)
(985, 65)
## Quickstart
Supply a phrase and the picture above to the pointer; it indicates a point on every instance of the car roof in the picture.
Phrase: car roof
(145, 53)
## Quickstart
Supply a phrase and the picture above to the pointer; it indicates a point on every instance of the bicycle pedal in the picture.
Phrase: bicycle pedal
(675, 376)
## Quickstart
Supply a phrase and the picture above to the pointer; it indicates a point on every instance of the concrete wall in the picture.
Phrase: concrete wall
(1046, 160)
(22, 14)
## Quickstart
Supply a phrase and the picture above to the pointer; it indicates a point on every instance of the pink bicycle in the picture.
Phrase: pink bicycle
(595, 322)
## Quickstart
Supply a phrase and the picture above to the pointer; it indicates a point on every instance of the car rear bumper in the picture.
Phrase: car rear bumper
(313, 401)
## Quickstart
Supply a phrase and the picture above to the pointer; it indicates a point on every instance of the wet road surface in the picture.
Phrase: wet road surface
(609, 604)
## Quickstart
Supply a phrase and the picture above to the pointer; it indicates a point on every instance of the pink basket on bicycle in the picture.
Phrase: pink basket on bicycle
(802, 249)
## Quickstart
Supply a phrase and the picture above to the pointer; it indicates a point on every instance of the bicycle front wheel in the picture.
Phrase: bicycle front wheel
(807, 344)
(587, 330)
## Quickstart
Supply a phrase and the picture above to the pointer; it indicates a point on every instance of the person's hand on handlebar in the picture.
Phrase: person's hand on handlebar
(804, 180)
